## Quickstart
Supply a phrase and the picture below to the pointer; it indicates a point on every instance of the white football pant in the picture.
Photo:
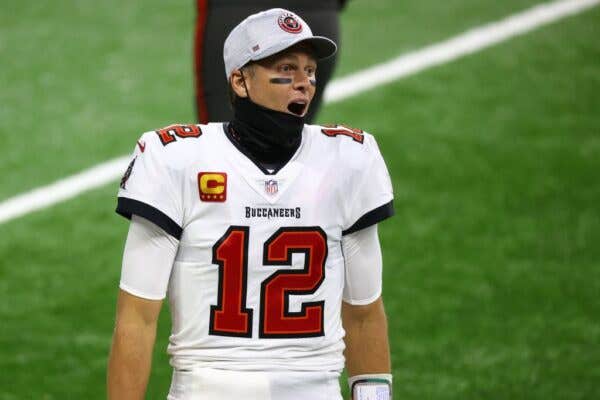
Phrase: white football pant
(216, 384)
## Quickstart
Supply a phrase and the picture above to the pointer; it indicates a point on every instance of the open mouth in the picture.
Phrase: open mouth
(297, 108)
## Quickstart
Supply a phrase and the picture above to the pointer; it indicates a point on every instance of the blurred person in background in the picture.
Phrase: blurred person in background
(215, 19)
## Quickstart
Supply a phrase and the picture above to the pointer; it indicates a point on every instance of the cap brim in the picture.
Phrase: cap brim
(324, 47)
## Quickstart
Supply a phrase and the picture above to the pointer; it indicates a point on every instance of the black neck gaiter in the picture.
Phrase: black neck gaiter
(269, 136)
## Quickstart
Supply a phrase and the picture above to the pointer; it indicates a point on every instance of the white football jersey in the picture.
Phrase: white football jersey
(258, 278)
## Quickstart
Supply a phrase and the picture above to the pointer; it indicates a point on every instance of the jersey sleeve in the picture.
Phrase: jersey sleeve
(152, 189)
(371, 199)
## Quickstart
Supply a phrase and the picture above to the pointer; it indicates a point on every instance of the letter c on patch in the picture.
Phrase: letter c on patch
(212, 186)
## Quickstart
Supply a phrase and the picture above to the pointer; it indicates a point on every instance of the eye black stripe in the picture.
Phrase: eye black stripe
(281, 80)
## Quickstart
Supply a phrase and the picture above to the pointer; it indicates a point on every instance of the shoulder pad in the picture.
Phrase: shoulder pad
(172, 145)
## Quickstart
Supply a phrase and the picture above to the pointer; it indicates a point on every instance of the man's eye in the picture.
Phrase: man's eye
(286, 68)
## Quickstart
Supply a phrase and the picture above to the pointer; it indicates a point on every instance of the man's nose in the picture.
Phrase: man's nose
(301, 81)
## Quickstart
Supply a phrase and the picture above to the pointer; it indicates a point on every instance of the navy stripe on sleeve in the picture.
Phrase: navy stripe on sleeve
(372, 217)
(126, 207)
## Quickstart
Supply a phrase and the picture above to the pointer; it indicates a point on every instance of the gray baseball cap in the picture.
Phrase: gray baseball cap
(268, 32)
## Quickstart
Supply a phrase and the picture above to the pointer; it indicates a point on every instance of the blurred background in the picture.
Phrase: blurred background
(492, 263)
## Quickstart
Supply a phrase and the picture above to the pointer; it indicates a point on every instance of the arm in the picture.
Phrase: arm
(131, 352)
(147, 262)
(363, 316)
(367, 348)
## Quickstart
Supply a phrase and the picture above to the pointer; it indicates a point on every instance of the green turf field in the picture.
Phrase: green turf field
(492, 264)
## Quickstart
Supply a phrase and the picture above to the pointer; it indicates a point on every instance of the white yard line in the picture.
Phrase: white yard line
(466, 43)
(63, 189)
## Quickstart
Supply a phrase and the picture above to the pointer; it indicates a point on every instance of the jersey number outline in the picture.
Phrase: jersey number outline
(231, 317)
(167, 134)
(334, 130)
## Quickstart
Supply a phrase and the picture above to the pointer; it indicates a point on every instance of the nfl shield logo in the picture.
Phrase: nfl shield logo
(271, 187)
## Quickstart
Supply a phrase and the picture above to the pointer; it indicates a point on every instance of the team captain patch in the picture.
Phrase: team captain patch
(212, 186)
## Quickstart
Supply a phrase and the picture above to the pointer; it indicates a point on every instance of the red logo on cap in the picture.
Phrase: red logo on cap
(289, 23)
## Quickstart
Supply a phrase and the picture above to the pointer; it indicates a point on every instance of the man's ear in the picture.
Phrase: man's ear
(238, 84)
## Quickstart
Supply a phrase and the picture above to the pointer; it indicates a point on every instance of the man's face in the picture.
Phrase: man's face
(283, 82)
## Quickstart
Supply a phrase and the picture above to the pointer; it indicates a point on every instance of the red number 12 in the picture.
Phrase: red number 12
(230, 317)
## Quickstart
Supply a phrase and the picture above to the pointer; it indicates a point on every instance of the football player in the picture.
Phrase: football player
(262, 232)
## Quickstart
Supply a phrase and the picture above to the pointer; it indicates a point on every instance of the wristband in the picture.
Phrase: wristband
(371, 387)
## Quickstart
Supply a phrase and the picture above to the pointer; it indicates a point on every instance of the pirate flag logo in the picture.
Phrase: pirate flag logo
(125, 177)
